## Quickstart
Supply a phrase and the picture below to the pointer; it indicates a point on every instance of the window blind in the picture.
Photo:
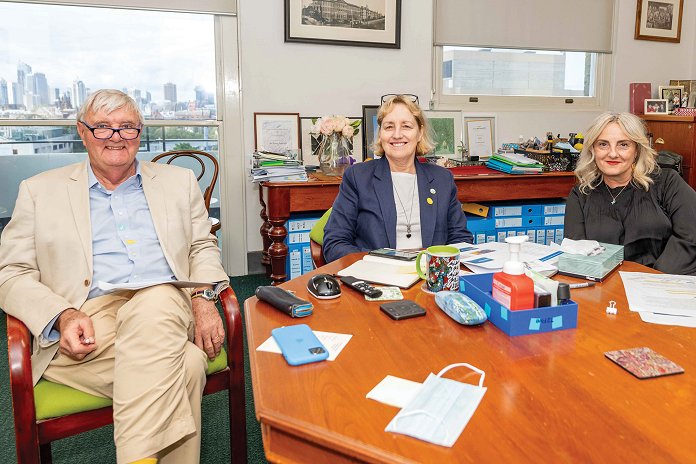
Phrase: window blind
(220, 7)
(526, 24)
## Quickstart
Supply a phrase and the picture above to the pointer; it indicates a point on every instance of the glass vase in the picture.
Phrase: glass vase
(334, 154)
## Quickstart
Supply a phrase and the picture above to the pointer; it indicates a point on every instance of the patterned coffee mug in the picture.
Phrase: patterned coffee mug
(442, 268)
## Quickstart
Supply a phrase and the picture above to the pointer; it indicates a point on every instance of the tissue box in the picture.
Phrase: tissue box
(592, 267)
(478, 287)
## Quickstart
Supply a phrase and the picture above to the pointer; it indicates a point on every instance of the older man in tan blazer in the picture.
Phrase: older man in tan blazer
(114, 219)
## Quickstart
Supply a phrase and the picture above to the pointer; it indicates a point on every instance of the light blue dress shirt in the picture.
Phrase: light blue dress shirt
(125, 247)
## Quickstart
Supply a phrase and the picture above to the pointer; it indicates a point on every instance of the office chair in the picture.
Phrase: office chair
(170, 156)
(316, 239)
(51, 411)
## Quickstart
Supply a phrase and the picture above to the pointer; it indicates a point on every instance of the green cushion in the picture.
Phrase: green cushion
(317, 232)
(55, 400)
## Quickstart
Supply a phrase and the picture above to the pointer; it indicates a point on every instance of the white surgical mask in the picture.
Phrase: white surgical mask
(441, 409)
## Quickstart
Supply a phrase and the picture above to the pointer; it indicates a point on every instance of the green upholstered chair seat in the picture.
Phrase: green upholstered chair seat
(55, 400)
(317, 232)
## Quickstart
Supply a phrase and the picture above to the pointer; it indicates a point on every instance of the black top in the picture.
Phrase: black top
(657, 228)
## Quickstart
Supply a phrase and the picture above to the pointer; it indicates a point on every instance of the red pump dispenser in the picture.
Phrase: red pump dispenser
(511, 287)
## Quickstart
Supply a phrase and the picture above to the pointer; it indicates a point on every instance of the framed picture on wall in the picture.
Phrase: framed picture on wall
(656, 106)
(446, 130)
(277, 132)
(311, 142)
(368, 23)
(659, 20)
(370, 129)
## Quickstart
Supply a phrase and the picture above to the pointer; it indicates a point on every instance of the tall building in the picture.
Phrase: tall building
(4, 98)
(170, 92)
(40, 90)
(23, 71)
(79, 94)
(17, 94)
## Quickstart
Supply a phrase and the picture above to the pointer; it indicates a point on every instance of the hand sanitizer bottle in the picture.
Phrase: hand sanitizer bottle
(511, 287)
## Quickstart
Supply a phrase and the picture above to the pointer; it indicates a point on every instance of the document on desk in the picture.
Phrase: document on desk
(664, 294)
(107, 287)
(490, 257)
(398, 274)
(334, 342)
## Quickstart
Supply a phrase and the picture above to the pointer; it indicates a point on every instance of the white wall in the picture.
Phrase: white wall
(320, 79)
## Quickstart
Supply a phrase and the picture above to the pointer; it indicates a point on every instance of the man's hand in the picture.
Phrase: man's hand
(76, 334)
(209, 333)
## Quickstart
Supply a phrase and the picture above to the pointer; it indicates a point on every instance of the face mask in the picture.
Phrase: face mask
(440, 410)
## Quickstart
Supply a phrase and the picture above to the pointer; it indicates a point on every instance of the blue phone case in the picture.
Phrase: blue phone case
(299, 345)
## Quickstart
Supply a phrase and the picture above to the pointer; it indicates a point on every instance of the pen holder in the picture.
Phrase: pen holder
(478, 287)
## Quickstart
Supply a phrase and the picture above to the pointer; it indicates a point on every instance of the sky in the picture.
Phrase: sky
(109, 48)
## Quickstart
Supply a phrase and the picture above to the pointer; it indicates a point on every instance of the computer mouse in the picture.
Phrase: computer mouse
(324, 287)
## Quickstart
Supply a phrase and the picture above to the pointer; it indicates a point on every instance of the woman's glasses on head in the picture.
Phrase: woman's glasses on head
(408, 96)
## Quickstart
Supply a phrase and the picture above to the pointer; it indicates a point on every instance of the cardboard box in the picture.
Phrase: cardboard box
(522, 322)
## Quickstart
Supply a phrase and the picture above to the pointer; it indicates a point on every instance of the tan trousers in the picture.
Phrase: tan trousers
(145, 361)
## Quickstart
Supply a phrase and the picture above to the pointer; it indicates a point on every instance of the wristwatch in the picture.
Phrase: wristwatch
(207, 294)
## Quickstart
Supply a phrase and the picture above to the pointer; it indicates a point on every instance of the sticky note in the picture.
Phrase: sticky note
(534, 323)
(487, 309)
(504, 313)
(557, 322)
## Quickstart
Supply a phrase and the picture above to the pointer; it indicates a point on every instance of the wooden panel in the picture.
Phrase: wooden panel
(679, 135)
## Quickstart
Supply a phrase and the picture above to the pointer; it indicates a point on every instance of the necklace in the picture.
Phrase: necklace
(408, 218)
(613, 198)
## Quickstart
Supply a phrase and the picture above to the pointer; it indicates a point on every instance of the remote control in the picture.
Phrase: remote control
(361, 286)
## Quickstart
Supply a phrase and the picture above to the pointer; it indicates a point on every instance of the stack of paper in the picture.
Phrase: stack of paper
(661, 298)
(514, 163)
(276, 167)
(490, 257)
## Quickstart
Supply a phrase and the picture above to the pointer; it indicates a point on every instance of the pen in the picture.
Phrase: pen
(582, 285)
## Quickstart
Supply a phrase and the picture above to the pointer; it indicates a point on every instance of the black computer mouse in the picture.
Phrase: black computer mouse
(324, 287)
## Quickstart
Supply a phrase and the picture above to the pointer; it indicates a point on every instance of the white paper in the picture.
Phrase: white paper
(107, 287)
(660, 293)
(668, 319)
(333, 342)
(379, 273)
(490, 257)
(480, 137)
(394, 391)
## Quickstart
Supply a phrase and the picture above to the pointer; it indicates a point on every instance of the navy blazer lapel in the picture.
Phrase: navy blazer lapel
(428, 210)
(384, 193)
(78, 192)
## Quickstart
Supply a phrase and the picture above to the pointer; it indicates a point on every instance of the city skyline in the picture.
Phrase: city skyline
(145, 54)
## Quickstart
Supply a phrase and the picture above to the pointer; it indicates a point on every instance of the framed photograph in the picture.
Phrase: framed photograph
(659, 20)
(311, 142)
(656, 106)
(479, 135)
(277, 132)
(370, 129)
(689, 95)
(673, 95)
(446, 131)
(367, 23)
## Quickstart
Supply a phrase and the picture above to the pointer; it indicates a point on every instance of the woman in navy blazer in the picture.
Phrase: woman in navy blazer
(396, 201)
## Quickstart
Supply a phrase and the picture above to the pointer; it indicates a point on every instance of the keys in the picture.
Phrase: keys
(361, 286)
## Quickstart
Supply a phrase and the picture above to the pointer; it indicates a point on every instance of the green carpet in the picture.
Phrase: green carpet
(98, 444)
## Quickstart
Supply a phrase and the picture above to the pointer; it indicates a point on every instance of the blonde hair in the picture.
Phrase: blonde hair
(109, 100)
(425, 144)
(588, 173)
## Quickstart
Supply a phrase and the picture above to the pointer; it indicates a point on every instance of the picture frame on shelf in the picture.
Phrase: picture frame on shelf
(656, 106)
(479, 135)
(673, 95)
(689, 91)
(659, 20)
(370, 129)
(277, 132)
(372, 23)
(311, 142)
(446, 131)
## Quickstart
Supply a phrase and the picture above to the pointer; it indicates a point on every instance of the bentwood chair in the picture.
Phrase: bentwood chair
(50, 411)
(199, 156)
(316, 239)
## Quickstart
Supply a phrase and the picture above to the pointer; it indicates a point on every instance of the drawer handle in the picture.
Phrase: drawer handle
(660, 141)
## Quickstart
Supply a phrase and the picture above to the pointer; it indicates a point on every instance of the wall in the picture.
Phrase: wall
(319, 79)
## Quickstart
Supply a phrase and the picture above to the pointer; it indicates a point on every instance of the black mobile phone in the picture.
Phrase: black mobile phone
(401, 255)
(404, 309)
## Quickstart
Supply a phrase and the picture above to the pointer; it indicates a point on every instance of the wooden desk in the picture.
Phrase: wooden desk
(551, 397)
(278, 200)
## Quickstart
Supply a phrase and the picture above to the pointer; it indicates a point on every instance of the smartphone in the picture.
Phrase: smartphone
(395, 254)
(299, 345)
(404, 309)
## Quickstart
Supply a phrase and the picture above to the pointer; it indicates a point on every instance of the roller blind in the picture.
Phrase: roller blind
(221, 7)
(567, 25)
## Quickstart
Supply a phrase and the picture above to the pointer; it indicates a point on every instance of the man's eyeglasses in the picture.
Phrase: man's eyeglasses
(105, 133)
(409, 96)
